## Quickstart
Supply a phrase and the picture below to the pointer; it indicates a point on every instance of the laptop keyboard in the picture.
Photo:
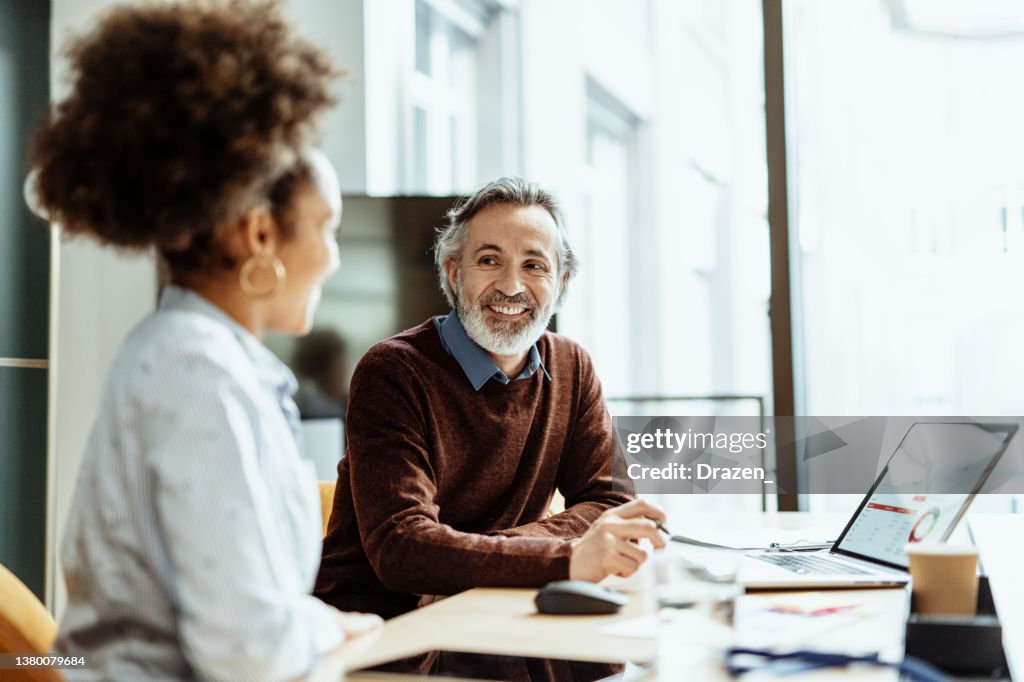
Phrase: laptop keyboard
(802, 564)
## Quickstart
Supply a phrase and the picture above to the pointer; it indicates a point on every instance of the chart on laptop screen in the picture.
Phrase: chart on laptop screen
(926, 484)
(889, 521)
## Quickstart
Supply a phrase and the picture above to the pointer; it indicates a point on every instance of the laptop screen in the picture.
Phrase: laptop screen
(924, 489)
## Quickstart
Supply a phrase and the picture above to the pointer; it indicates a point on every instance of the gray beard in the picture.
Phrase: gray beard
(502, 337)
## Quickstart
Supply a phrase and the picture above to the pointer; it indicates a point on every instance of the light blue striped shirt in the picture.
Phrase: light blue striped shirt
(194, 536)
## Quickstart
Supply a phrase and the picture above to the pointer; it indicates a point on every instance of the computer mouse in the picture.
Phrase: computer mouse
(578, 597)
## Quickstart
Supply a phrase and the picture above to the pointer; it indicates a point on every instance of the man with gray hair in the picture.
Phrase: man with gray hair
(461, 430)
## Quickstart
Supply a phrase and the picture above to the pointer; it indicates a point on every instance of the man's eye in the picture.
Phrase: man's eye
(487, 260)
(536, 266)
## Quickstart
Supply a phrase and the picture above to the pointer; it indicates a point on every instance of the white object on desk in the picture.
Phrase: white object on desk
(997, 537)
(763, 537)
(760, 624)
(323, 444)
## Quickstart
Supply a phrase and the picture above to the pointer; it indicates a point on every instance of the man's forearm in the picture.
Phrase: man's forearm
(568, 524)
(430, 558)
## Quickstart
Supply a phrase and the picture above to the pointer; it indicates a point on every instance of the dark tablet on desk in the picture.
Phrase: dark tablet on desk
(474, 666)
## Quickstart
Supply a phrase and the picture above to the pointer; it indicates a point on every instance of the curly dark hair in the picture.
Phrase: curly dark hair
(181, 117)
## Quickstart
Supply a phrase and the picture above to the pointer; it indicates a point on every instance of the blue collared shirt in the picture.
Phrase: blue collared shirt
(193, 538)
(474, 360)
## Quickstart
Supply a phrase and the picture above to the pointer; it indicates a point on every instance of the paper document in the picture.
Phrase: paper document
(692, 627)
(795, 620)
(787, 620)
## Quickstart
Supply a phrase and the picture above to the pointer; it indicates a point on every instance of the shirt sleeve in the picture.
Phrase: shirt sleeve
(394, 492)
(592, 475)
(244, 612)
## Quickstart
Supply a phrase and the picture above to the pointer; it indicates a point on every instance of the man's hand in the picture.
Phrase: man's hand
(608, 547)
(428, 599)
(358, 624)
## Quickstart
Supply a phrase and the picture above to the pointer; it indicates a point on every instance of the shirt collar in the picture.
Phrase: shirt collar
(269, 368)
(474, 360)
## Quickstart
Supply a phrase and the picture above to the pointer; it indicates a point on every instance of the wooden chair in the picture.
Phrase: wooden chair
(25, 627)
(326, 501)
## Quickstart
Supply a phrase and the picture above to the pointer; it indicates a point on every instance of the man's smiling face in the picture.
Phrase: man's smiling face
(507, 279)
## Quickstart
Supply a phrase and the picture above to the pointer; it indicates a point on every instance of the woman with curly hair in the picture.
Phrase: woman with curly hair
(193, 538)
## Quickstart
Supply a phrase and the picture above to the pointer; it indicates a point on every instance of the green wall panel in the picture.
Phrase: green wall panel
(23, 473)
(24, 239)
(24, 294)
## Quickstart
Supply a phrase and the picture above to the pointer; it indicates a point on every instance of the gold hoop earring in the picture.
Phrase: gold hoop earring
(264, 259)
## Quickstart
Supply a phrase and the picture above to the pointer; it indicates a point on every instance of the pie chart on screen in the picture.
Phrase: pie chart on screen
(925, 525)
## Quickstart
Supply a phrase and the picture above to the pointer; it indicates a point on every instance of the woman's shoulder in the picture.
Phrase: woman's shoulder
(171, 347)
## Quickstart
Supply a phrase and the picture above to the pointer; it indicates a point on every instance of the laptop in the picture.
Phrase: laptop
(920, 496)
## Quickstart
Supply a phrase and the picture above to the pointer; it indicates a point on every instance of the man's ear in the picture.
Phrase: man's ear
(258, 231)
(451, 269)
(563, 284)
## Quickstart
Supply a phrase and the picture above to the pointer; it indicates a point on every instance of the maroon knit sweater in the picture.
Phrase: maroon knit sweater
(445, 488)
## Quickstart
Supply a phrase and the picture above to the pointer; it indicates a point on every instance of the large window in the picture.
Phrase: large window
(907, 206)
(442, 98)
(672, 300)
(457, 72)
(671, 223)
(602, 315)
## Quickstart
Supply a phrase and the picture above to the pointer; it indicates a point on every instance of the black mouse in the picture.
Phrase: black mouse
(578, 597)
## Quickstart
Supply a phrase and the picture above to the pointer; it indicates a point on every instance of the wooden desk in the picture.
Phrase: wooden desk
(505, 621)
